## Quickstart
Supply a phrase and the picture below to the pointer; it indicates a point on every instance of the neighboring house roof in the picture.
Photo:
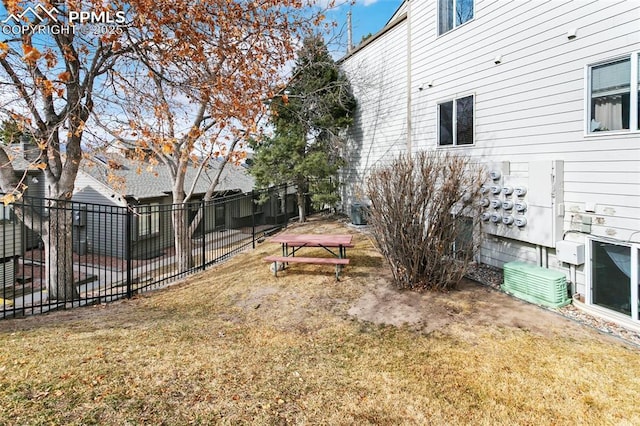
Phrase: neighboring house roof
(17, 152)
(132, 179)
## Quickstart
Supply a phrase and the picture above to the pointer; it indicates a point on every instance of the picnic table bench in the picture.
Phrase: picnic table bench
(292, 243)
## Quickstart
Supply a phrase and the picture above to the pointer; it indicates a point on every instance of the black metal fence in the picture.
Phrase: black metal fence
(120, 250)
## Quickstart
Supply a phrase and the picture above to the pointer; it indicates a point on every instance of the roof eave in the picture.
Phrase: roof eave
(390, 25)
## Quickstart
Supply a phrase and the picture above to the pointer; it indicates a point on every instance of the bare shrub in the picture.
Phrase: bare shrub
(424, 216)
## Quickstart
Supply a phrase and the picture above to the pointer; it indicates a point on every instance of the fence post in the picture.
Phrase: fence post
(286, 210)
(253, 219)
(127, 232)
(203, 224)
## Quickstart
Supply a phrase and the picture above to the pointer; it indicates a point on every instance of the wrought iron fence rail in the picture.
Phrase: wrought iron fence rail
(118, 251)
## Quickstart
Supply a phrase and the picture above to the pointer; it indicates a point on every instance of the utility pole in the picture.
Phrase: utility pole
(349, 33)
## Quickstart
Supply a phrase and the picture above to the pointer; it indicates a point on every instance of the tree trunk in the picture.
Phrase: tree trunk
(58, 248)
(182, 237)
(302, 204)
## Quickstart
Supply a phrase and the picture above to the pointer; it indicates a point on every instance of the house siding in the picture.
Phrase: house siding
(35, 190)
(100, 193)
(10, 238)
(208, 219)
(143, 247)
(240, 212)
(529, 108)
(104, 225)
(379, 133)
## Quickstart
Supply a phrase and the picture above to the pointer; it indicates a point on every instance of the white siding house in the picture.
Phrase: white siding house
(378, 76)
(546, 93)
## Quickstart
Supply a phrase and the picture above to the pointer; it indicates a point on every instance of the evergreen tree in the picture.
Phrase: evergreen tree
(310, 118)
(10, 132)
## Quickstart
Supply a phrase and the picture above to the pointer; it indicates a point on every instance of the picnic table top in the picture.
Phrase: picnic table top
(326, 240)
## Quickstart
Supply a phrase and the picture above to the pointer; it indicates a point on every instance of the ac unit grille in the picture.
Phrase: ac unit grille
(535, 284)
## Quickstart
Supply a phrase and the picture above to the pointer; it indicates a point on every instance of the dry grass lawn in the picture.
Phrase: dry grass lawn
(236, 345)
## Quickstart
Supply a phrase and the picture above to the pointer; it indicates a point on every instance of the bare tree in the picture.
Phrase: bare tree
(49, 76)
(61, 67)
(424, 215)
(188, 114)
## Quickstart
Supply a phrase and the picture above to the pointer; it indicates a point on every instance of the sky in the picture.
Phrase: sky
(368, 17)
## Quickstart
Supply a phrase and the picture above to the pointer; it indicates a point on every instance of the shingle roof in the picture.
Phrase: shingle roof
(138, 182)
(17, 152)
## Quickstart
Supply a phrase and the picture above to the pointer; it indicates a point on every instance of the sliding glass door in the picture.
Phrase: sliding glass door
(615, 277)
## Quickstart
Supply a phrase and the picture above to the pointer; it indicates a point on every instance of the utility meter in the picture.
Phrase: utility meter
(520, 206)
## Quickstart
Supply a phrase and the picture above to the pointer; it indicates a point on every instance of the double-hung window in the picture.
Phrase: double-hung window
(148, 220)
(455, 122)
(614, 100)
(453, 13)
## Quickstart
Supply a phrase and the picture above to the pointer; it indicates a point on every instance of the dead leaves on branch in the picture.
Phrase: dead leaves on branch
(4, 49)
(230, 54)
(31, 54)
(64, 77)
(38, 166)
(227, 55)
(11, 198)
(167, 148)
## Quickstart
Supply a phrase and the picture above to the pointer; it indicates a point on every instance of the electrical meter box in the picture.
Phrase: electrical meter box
(570, 252)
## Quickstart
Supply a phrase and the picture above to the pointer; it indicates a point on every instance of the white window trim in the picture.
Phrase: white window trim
(633, 101)
(455, 119)
(634, 320)
(438, 34)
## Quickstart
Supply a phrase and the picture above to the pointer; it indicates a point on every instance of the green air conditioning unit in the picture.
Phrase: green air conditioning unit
(535, 284)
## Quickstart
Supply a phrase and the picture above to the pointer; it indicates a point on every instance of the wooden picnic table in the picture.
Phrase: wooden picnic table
(292, 243)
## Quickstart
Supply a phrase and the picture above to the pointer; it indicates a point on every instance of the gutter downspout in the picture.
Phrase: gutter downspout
(409, 81)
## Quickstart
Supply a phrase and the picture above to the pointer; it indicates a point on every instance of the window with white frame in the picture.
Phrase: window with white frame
(148, 219)
(453, 13)
(455, 122)
(614, 102)
(615, 276)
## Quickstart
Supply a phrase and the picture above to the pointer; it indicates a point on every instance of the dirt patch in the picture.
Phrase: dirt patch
(369, 296)
(469, 307)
